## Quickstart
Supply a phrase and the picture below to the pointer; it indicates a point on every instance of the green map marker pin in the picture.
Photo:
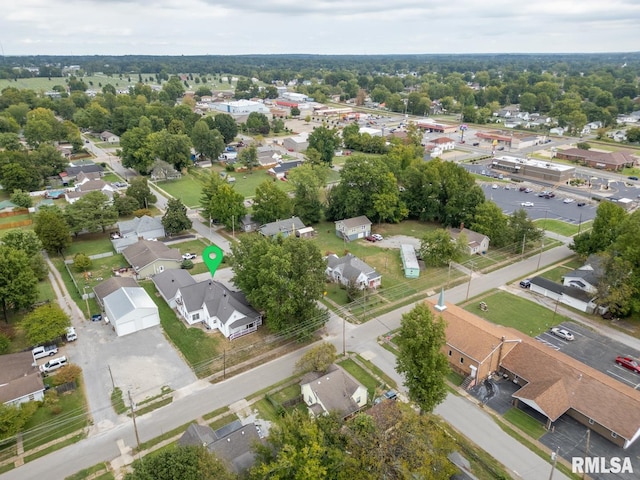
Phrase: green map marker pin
(212, 257)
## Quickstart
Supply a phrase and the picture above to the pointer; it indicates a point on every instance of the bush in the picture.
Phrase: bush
(81, 262)
(70, 373)
(187, 264)
(141, 212)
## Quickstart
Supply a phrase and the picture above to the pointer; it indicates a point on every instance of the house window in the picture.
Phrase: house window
(614, 435)
(357, 399)
(31, 397)
(250, 325)
(449, 352)
(195, 316)
(591, 421)
(461, 360)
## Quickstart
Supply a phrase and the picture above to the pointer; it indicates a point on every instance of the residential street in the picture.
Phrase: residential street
(202, 397)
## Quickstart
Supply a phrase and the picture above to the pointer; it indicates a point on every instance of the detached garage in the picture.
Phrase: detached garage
(131, 309)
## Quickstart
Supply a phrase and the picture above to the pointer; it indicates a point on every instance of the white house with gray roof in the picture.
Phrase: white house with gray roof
(350, 270)
(217, 307)
(169, 282)
(587, 277)
(477, 243)
(129, 231)
(131, 309)
(333, 391)
(285, 227)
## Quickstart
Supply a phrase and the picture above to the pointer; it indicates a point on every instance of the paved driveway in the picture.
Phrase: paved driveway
(140, 363)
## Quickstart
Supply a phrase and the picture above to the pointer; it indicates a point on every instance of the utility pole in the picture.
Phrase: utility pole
(554, 457)
(524, 241)
(586, 451)
(133, 416)
(472, 265)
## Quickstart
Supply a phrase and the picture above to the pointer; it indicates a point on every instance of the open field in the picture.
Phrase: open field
(516, 312)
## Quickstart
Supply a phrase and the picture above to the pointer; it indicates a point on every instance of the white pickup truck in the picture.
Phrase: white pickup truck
(44, 351)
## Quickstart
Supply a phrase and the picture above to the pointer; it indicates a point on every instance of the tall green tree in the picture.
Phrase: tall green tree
(523, 230)
(52, 229)
(366, 187)
(175, 219)
(309, 180)
(492, 222)
(137, 152)
(173, 148)
(29, 243)
(193, 462)
(18, 282)
(139, 189)
(227, 126)
(258, 123)
(206, 142)
(284, 277)
(248, 157)
(271, 203)
(606, 228)
(225, 206)
(437, 248)
(325, 141)
(420, 357)
(46, 323)
(93, 212)
(298, 449)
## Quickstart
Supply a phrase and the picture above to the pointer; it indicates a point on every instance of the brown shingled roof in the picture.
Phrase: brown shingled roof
(606, 400)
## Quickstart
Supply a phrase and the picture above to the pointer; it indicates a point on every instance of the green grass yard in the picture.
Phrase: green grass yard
(196, 345)
(562, 228)
(510, 310)
(525, 422)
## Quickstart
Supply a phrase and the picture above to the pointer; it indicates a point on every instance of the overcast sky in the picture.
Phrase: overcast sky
(227, 27)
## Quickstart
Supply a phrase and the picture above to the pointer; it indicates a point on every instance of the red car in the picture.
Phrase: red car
(370, 238)
(628, 362)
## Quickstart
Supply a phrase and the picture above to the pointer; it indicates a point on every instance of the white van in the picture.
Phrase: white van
(53, 364)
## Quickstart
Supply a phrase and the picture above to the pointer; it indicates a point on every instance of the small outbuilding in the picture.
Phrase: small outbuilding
(409, 261)
(131, 309)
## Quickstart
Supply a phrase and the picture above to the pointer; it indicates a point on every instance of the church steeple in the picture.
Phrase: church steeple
(440, 306)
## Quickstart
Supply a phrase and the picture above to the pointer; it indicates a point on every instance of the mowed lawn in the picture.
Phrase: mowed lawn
(562, 228)
(188, 189)
(516, 312)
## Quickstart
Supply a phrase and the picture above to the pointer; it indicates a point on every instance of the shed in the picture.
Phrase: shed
(131, 309)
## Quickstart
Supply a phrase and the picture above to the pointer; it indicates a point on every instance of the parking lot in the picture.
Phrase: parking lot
(594, 350)
(511, 199)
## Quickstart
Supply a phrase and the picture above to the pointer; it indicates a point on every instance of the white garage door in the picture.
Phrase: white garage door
(150, 321)
(125, 328)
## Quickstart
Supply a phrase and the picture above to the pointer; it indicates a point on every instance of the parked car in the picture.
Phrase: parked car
(562, 333)
(500, 148)
(96, 318)
(370, 238)
(523, 189)
(581, 204)
(377, 236)
(53, 364)
(527, 204)
(525, 283)
(628, 362)
(71, 334)
(494, 186)
(568, 200)
(528, 190)
(44, 351)
(476, 144)
(550, 195)
(633, 178)
(189, 256)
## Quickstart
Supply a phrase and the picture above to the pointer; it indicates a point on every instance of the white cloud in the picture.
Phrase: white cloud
(194, 27)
